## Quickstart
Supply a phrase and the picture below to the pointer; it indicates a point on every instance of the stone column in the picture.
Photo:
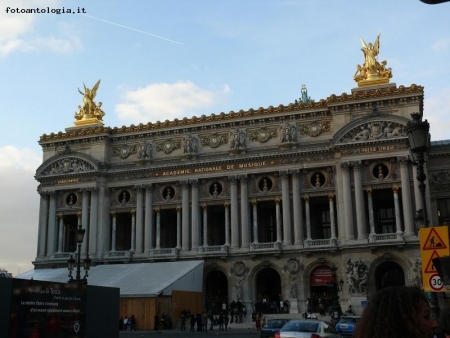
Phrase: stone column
(185, 240)
(359, 200)
(298, 208)
(103, 221)
(61, 232)
(113, 231)
(234, 214)
(398, 220)
(406, 197)
(245, 226)
(227, 223)
(348, 206)
(178, 227)
(371, 215)
(93, 223)
(278, 220)
(255, 221)
(139, 219)
(51, 225)
(133, 230)
(286, 203)
(308, 219)
(85, 220)
(42, 233)
(332, 218)
(195, 216)
(205, 224)
(158, 228)
(148, 223)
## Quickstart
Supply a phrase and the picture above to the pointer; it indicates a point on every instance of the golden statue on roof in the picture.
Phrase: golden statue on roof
(372, 72)
(90, 112)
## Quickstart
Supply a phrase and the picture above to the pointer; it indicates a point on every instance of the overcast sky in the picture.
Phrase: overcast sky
(169, 59)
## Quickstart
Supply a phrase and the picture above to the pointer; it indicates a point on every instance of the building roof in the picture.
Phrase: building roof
(134, 280)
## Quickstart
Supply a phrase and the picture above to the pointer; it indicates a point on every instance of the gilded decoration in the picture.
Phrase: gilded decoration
(144, 150)
(168, 146)
(89, 113)
(375, 130)
(213, 140)
(372, 72)
(314, 129)
(288, 133)
(68, 165)
(262, 135)
(125, 150)
(222, 117)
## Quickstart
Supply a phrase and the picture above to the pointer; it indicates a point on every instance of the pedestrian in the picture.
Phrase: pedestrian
(262, 319)
(192, 322)
(397, 312)
(258, 324)
(156, 323)
(125, 321)
(225, 321)
(129, 324)
(132, 323)
(183, 321)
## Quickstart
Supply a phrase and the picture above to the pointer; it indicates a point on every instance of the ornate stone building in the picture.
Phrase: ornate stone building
(271, 199)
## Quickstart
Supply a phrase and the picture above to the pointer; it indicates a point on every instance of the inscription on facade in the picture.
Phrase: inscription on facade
(226, 167)
(377, 149)
(69, 180)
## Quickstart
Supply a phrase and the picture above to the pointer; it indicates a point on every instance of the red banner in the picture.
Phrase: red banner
(321, 276)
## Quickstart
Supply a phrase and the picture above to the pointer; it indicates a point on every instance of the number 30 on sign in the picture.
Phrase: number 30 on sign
(435, 283)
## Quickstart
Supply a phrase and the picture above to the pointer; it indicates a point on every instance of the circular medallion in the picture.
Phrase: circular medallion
(263, 136)
(293, 266)
(168, 147)
(214, 141)
(239, 269)
(314, 130)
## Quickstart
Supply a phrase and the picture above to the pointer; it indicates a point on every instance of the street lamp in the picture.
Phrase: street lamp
(336, 310)
(79, 235)
(418, 132)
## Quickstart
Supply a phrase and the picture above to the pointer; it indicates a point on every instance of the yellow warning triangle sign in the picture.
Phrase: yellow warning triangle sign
(430, 268)
(434, 241)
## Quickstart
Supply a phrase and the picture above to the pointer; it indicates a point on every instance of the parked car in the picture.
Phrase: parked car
(272, 326)
(306, 328)
(347, 325)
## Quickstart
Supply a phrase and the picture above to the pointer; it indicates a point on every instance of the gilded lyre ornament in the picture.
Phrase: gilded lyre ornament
(372, 72)
(90, 112)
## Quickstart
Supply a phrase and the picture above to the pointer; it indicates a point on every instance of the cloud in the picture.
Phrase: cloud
(19, 210)
(437, 112)
(441, 45)
(163, 101)
(18, 31)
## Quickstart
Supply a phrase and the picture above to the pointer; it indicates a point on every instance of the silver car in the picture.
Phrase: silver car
(304, 328)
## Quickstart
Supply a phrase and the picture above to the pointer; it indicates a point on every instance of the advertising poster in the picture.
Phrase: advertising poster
(47, 310)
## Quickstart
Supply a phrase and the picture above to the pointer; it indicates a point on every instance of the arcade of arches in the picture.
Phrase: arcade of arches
(267, 288)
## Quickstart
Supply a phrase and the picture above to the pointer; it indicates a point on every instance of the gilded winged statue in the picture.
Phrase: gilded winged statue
(89, 111)
(372, 72)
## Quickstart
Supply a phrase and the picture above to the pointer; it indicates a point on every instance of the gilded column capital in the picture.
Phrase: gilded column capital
(204, 206)
(395, 189)
(254, 202)
(357, 165)
(194, 182)
(113, 214)
(306, 199)
(157, 210)
(178, 208)
(284, 173)
(184, 183)
(133, 212)
(277, 200)
(330, 197)
(226, 205)
(369, 191)
(60, 216)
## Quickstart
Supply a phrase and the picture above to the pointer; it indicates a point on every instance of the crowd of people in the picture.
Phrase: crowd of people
(205, 321)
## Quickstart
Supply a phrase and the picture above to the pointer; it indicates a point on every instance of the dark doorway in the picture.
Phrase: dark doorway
(216, 291)
(268, 290)
(389, 274)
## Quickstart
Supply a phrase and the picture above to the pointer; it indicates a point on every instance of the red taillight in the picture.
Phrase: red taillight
(315, 335)
(277, 335)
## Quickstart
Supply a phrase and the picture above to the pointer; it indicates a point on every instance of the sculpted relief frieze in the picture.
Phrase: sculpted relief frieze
(68, 165)
(262, 135)
(168, 146)
(314, 129)
(375, 130)
(125, 150)
(214, 140)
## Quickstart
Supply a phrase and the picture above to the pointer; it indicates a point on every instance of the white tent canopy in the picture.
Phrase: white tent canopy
(134, 280)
